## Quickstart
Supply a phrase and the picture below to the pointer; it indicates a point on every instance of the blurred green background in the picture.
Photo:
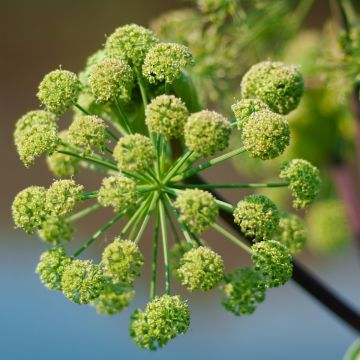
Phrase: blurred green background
(36, 37)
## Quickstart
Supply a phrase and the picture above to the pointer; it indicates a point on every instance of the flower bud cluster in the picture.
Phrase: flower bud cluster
(162, 320)
(200, 269)
(122, 261)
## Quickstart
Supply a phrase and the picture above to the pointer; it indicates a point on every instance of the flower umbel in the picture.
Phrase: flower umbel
(138, 124)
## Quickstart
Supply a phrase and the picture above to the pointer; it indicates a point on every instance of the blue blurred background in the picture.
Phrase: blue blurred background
(36, 37)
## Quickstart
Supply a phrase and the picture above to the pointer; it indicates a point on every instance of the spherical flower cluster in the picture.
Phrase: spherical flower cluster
(131, 43)
(82, 281)
(62, 165)
(257, 216)
(242, 291)
(243, 108)
(110, 80)
(304, 181)
(62, 196)
(198, 209)
(265, 135)
(166, 114)
(200, 269)
(113, 298)
(328, 226)
(134, 153)
(277, 85)
(164, 62)
(207, 132)
(291, 233)
(59, 90)
(55, 230)
(36, 133)
(51, 267)
(122, 261)
(176, 253)
(118, 192)
(163, 319)
(273, 262)
(88, 132)
(28, 208)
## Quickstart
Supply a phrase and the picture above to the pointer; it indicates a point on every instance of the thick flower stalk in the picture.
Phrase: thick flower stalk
(147, 180)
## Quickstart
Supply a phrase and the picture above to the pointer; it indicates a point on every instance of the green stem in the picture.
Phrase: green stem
(231, 186)
(94, 167)
(123, 116)
(135, 225)
(142, 87)
(82, 109)
(231, 237)
(183, 228)
(109, 151)
(172, 225)
(134, 217)
(154, 256)
(225, 206)
(96, 160)
(165, 247)
(89, 195)
(179, 162)
(208, 164)
(83, 212)
(101, 231)
(147, 217)
(112, 135)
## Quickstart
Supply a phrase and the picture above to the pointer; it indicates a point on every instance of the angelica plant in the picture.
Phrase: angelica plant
(150, 175)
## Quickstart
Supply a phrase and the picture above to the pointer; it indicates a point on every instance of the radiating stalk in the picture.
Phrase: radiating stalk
(83, 212)
(165, 247)
(154, 256)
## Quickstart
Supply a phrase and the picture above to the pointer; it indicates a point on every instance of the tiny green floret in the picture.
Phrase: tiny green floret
(88, 132)
(273, 262)
(257, 216)
(165, 61)
(62, 196)
(279, 86)
(198, 209)
(117, 191)
(243, 291)
(291, 233)
(51, 267)
(243, 108)
(28, 208)
(122, 261)
(207, 132)
(56, 230)
(134, 152)
(304, 181)
(82, 281)
(113, 298)
(36, 133)
(59, 90)
(162, 320)
(167, 115)
(201, 269)
(265, 135)
(111, 80)
(131, 43)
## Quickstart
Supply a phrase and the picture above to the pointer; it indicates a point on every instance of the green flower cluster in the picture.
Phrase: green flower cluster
(207, 132)
(198, 209)
(163, 319)
(242, 291)
(257, 216)
(137, 122)
(122, 261)
(200, 269)
(36, 133)
(134, 153)
(118, 192)
(304, 181)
